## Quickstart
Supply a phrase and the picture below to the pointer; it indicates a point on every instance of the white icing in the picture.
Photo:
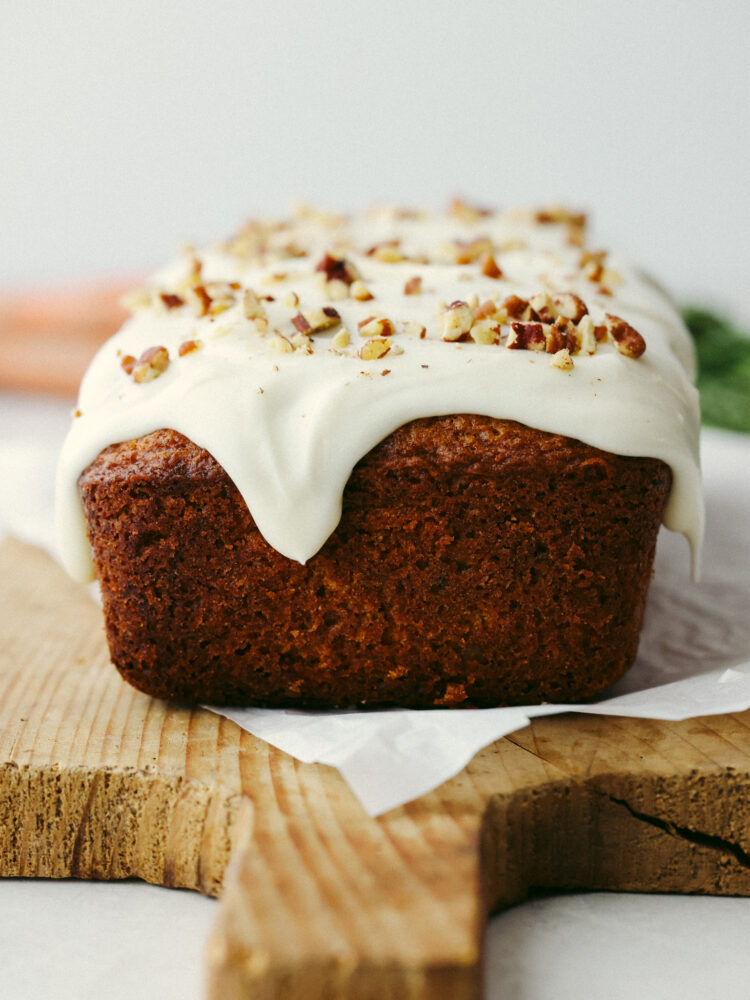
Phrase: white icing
(289, 428)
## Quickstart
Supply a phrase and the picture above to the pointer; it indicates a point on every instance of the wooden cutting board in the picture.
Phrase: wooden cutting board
(317, 899)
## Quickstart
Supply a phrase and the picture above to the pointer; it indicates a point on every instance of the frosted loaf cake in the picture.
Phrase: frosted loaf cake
(390, 459)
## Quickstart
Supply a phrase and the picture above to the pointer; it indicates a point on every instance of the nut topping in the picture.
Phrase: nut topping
(486, 331)
(517, 308)
(151, 364)
(462, 210)
(280, 343)
(198, 299)
(388, 252)
(570, 306)
(170, 300)
(527, 337)
(562, 360)
(627, 340)
(587, 335)
(359, 292)
(340, 340)
(489, 266)
(543, 308)
(470, 251)
(457, 320)
(188, 346)
(376, 347)
(414, 329)
(376, 327)
(252, 306)
(337, 268)
(314, 320)
(489, 309)
(574, 221)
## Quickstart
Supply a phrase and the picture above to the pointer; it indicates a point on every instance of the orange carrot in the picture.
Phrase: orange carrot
(47, 338)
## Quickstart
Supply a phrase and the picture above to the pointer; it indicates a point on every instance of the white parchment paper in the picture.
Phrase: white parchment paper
(694, 657)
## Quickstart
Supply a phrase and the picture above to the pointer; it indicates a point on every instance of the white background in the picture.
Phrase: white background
(128, 127)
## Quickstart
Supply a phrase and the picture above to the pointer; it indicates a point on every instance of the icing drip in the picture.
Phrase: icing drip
(288, 407)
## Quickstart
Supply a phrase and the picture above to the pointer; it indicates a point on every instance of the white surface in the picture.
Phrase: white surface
(129, 127)
(613, 946)
(75, 941)
(101, 941)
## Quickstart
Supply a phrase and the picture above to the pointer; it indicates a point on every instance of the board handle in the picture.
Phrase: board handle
(320, 901)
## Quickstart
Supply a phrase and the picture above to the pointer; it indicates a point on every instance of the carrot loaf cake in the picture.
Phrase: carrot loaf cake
(399, 458)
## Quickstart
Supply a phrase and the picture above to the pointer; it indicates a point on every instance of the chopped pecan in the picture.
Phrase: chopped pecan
(459, 208)
(489, 309)
(196, 270)
(360, 292)
(188, 346)
(628, 341)
(170, 300)
(302, 323)
(414, 329)
(485, 331)
(389, 252)
(301, 342)
(279, 343)
(592, 263)
(457, 319)
(469, 251)
(586, 335)
(571, 337)
(222, 296)
(340, 340)
(376, 347)
(252, 306)
(489, 266)
(413, 286)
(542, 308)
(151, 364)
(376, 326)
(315, 320)
(562, 360)
(555, 339)
(336, 268)
(198, 299)
(570, 306)
(517, 308)
(527, 337)
(336, 290)
(574, 221)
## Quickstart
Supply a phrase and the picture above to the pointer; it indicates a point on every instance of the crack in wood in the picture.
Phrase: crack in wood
(708, 840)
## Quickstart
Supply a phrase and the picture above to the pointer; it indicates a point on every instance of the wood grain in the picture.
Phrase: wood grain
(319, 900)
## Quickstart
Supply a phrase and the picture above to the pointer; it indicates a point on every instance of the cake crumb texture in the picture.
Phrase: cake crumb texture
(477, 562)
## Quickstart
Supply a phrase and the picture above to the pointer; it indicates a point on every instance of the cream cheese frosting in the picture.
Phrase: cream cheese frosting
(288, 412)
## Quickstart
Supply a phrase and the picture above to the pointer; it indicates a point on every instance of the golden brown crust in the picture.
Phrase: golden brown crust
(477, 561)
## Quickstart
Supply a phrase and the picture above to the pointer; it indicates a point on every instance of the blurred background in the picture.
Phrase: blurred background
(127, 129)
